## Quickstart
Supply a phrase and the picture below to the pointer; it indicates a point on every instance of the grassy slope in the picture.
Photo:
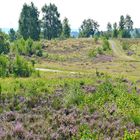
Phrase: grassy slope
(72, 55)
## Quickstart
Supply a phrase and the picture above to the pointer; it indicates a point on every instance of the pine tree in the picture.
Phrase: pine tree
(66, 28)
(115, 31)
(109, 29)
(29, 24)
(121, 23)
(51, 23)
(12, 35)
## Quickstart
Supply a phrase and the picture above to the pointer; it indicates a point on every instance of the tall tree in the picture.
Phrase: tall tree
(122, 23)
(12, 35)
(128, 23)
(115, 31)
(88, 28)
(66, 28)
(29, 24)
(34, 22)
(109, 29)
(51, 23)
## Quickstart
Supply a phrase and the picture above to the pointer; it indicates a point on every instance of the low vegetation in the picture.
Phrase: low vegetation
(17, 67)
(69, 109)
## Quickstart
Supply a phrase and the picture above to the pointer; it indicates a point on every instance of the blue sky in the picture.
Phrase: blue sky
(76, 10)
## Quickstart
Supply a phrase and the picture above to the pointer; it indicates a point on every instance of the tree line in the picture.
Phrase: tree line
(123, 29)
(50, 26)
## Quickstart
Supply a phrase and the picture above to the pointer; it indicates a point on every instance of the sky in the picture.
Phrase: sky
(102, 11)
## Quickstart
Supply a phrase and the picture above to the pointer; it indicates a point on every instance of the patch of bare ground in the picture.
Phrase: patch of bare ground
(103, 58)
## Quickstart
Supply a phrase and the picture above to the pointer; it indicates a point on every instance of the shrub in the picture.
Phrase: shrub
(21, 68)
(96, 39)
(125, 46)
(100, 50)
(4, 63)
(74, 95)
(92, 53)
(85, 133)
(4, 45)
(131, 136)
(28, 47)
(106, 45)
(19, 47)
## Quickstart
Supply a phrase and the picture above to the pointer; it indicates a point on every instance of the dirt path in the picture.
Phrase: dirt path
(118, 51)
(53, 70)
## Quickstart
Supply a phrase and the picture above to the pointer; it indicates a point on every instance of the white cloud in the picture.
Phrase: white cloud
(76, 10)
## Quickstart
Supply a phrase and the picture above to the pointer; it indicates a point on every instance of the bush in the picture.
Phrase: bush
(100, 50)
(21, 68)
(96, 39)
(125, 46)
(106, 45)
(92, 53)
(19, 47)
(4, 45)
(74, 95)
(28, 47)
(131, 136)
(4, 64)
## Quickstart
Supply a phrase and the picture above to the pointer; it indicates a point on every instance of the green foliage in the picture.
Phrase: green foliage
(55, 57)
(125, 26)
(88, 28)
(4, 66)
(4, 45)
(131, 136)
(66, 28)
(74, 95)
(96, 38)
(115, 30)
(29, 24)
(28, 47)
(124, 33)
(85, 133)
(109, 29)
(121, 23)
(125, 46)
(21, 68)
(51, 23)
(100, 50)
(92, 53)
(106, 45)
(135, 118)
(12, 35)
